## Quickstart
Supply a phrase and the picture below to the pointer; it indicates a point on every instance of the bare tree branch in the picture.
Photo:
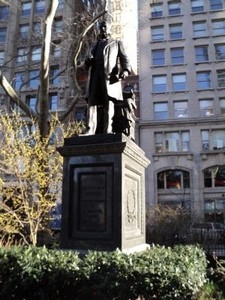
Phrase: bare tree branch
(44, 73)
(14, 97)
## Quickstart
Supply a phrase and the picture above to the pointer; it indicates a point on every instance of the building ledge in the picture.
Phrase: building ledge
(175, 191)
(182, 121)
(204, 154)
(198, 13)
(188, 154)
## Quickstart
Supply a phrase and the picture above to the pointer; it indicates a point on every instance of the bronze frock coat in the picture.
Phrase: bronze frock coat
(106, 65)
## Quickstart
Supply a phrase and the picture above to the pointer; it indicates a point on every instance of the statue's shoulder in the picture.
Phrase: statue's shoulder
(111, 41)
(114, 43)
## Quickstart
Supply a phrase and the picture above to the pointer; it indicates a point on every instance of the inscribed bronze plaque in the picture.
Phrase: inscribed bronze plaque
(92, 202)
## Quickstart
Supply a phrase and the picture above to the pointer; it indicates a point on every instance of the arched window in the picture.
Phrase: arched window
(214, 176)
(173, 179)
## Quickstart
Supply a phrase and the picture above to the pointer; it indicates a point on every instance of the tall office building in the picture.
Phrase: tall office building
(21, 36)
(21, 28)
(125, 25)
(182, 103)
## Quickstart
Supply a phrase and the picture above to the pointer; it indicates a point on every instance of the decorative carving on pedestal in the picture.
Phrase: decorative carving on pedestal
(131, 206)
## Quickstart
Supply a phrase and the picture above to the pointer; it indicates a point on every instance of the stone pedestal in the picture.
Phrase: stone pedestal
(103, 205)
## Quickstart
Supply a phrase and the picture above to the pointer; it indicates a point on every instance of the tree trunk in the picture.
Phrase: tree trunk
(44, 71)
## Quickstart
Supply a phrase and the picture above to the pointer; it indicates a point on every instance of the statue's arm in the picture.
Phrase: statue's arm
(123, 58)
(88, 62)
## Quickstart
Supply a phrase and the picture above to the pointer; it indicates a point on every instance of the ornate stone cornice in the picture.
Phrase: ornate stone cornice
(103, 144)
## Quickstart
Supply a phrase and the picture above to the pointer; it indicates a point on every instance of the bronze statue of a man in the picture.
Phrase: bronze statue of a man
(109, 64)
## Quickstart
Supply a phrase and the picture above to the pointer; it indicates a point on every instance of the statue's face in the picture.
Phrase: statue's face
(104, 31)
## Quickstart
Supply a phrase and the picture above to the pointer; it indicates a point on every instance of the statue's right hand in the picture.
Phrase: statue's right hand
(89, 60)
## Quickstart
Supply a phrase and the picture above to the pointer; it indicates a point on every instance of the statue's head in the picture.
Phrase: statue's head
(104, 29)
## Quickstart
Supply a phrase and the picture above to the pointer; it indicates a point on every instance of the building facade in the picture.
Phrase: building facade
(20, 52)
(21, 36)
(182, 103)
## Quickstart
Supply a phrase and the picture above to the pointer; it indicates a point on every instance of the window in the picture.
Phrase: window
(21, 55)
(213, 139)
(24, 30)
(217, 139)
(199, 29)
(201, 53)
(159, 142)
(158, 57)
(53, 101)
(157, 33)
(56, 49)
(2, 57)
(36, 53)
(80, 114)
(4, 13)
(179, 82)
(174, 8)
(34, 79)
(214, 176)
(58, 25)
(180, 109)
(173, 179)
(197, 6)
(204, 80)
(31, 101)
(185, 141)
(205, 139)
(156, 10)
(177, 141)
(175, 31)
(161, 111)
(221, 78)
(26, 8)
(61, 4)
(37, 28)
(177, 56)
(159, 83)
(19, 79)
(15, 107)
(217, 4)
(89, 4)
(54, 77)
(3, 31)
(220, 51)
(214, 212)
(25, 131)
(39, 6)
(218, 27)
(206, 107)
(117, 17)
(222, 106)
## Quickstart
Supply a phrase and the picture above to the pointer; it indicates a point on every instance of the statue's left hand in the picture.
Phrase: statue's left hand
(124, 74)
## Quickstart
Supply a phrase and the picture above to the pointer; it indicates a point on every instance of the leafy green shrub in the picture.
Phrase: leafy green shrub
(10, 271)
(109, 276)
(168, 273)
(38, 273)
(210, 291)
(218, 274)
(159, 273)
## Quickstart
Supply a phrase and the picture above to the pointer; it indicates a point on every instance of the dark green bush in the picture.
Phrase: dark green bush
(38, 274)
(159, 273)
(218, 274)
